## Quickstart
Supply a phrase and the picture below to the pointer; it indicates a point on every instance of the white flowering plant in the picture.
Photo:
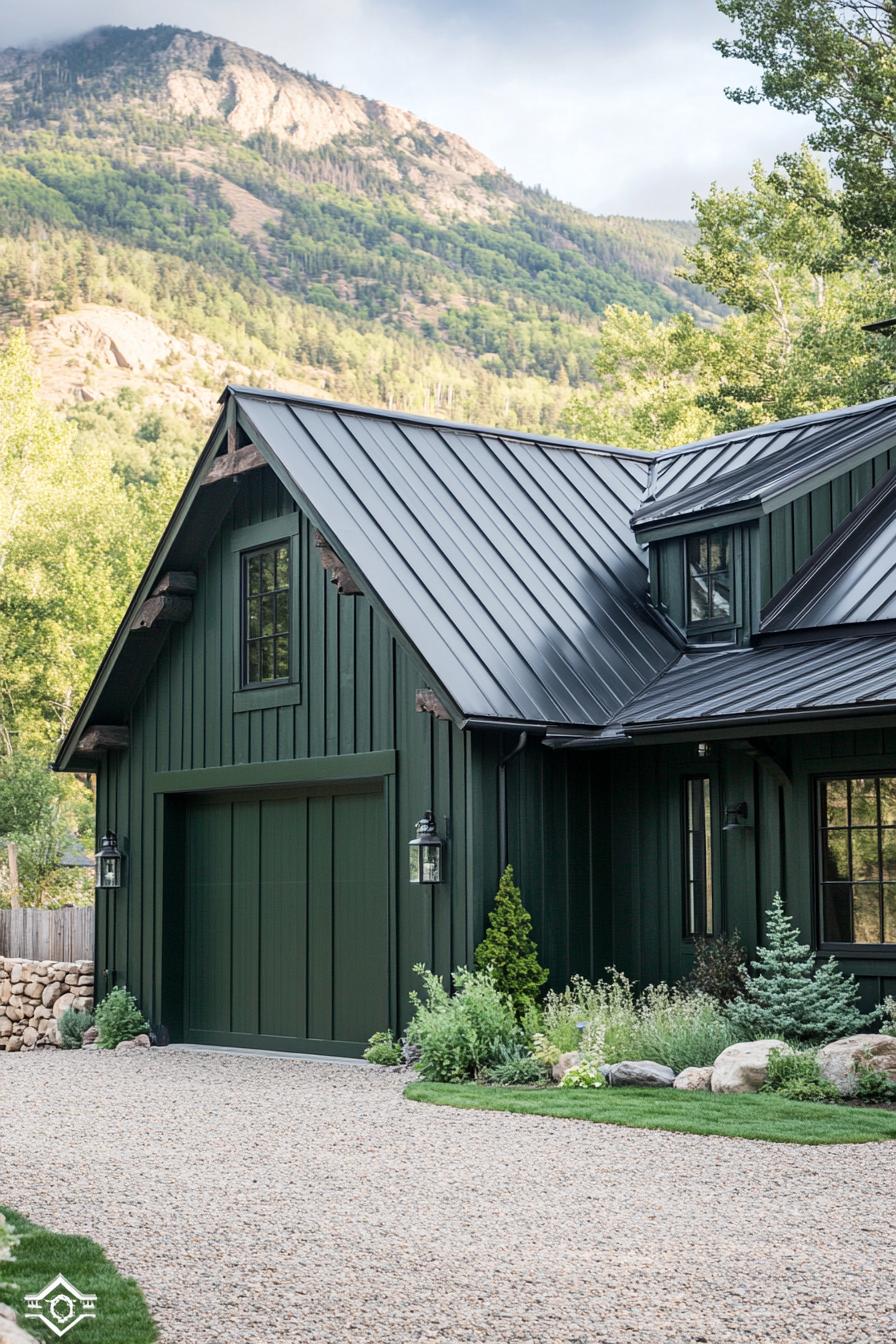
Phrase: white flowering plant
(584, 1074)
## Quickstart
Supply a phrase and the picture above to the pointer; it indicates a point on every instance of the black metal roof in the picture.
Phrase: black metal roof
(507, 562)
(767, 682)
(760, 469)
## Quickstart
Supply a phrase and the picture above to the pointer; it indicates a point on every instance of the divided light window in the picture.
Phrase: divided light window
(857, 859)
(709, 577)
(699, 913)
(265, 615)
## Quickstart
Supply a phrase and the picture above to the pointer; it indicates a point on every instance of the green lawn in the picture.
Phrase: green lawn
(121, 1313)
(740, 1116)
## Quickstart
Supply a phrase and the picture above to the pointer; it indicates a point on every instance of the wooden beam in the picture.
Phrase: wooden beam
(177, 582)
(104, 737)
(233, 463)
(162, 609)
(337, 571)
(427, 702)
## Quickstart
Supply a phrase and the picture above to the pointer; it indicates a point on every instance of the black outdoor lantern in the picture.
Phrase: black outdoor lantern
(425, 852)
(108, 862)
(736, 817)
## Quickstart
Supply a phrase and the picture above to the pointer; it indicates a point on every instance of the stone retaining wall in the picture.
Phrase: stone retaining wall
(35, 994)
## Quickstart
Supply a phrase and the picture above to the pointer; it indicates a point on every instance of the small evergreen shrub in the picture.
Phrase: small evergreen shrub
(873, 1086)
(508, 949)
(72, 1025)
(787, 997)
(458, 1034)
(382, 1048)
(118, 1018)
(719, 968)
(795, 1074)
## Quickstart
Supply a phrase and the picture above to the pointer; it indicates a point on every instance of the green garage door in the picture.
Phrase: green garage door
(287, 921)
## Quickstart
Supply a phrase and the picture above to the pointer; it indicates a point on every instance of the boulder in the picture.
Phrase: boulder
(140, 1042)
(29, 1036)
(62, 1003)
(694, 1080)
(10, 1330)
(52, 992)
(639, 1073)
(840, 1061)
(90, 1036)
(34, 989)
(744, 1067)
(14, 1043)
(564, 1064)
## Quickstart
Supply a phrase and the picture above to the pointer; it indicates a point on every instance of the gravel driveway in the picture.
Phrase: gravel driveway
(264, 1200)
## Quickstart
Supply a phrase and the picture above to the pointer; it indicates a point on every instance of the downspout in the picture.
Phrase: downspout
(502, 798)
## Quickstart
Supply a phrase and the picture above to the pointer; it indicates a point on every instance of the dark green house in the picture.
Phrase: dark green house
(663, 686)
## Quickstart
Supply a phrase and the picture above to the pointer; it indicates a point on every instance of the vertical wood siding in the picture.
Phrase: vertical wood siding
(358, 689)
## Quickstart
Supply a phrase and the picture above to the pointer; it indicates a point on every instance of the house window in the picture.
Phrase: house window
(857, 859)
(709, 578)
(265, 615)
(699, 912)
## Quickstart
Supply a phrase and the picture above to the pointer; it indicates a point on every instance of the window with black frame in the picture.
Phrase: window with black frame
(699, 911)
(857, 859)
(709, 578)
(265, 615)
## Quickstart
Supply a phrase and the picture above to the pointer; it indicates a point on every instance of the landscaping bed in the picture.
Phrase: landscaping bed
(761, 1115)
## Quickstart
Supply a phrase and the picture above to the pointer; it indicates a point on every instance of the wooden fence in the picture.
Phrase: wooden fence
(48, 935)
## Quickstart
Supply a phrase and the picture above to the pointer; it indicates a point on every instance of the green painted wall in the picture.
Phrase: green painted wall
(358, 689)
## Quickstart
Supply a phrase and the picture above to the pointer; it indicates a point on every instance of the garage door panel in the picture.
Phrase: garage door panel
(288, 921)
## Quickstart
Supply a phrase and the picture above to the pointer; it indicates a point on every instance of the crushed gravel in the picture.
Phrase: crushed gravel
(266, 1200)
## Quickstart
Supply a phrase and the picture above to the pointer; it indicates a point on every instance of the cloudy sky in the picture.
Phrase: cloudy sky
(616, 105)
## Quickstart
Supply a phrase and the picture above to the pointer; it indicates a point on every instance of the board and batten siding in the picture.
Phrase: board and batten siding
(357, 696)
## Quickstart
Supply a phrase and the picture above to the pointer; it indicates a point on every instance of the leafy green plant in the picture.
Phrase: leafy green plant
(608, 1003)
(584, 1074)
(458, 1034)
(72, 1025)
(788, 997)
(118, 1018)
(382, 1048)
(8, 1239)
(514, 1066)
(681, 1029)
(873, 1086)
(795, 1074)
(719, 968)
(508, 949)
(887, 1011)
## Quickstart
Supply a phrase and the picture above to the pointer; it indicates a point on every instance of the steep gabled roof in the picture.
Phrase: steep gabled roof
(851, 578)
(507, 562)
(757, 470)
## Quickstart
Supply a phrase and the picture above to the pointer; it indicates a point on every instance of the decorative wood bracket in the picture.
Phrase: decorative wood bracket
(337, 571)
(427, 702)
(107, 737)
(177, 582)
(764, 755)
(233, 464)
(162, 609)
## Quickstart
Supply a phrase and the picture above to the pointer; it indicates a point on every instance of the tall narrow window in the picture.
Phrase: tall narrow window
(699, 913)
(265, 615)
(857, 859)
(709, 577)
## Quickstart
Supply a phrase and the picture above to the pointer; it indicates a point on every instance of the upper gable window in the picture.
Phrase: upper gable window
(265, 615)
(709, 578)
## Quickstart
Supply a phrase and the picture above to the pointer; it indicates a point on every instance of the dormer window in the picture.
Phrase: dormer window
(709, 579)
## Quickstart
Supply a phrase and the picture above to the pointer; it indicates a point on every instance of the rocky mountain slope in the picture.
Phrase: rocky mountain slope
(176, 209)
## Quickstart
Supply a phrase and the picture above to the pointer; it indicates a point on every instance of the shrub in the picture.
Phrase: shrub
(887, 1010)
(118, 1018)
(681, 1029)
(382, 1048)
(72, 1025)
(609, 1004)
(461, 1033)
(514, 1067)
(8, 1239)
(873, 1086)
(508, 949)
(584, 1074)
(795, 1074)
(719, 968)
(788, 997)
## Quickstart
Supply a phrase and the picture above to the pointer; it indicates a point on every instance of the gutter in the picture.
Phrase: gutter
(502, 797)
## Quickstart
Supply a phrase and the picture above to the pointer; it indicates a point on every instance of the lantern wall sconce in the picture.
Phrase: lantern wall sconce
(704, 750)
(425, 853)
(736, 817)
(108, 863)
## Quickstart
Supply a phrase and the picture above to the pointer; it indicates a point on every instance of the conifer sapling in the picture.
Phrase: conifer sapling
(509, 950)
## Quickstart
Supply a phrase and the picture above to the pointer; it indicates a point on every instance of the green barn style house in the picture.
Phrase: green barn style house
(661, 685)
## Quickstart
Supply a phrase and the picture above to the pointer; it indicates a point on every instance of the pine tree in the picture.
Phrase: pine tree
(508, 948)
(788, 998)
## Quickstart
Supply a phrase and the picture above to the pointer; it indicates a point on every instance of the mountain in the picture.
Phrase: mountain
(176, 210)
